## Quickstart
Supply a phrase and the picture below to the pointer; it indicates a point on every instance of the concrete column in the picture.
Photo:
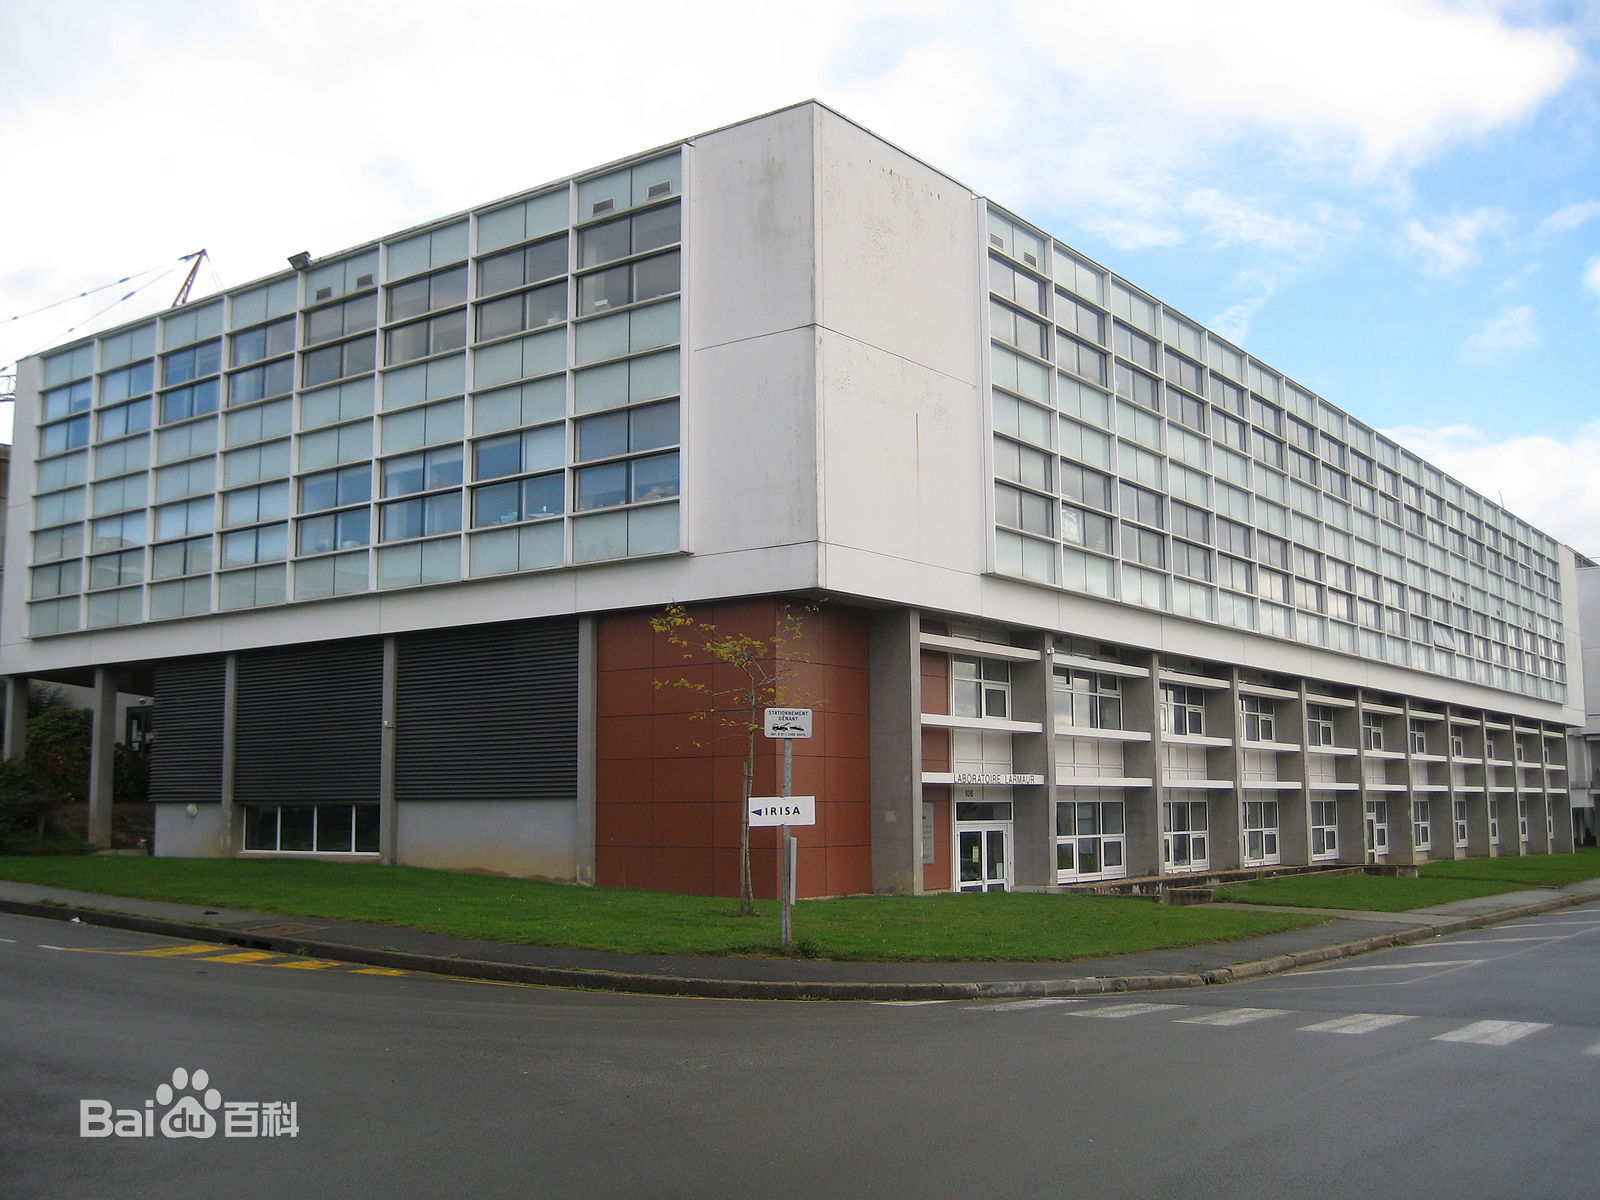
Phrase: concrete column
(16, 716)
(102, 756)
(1294, 807)
(1033, 812)
(1141, 710)
(588, 674)
(1225, 809)
(388, 834)
(230, 837)
(894, 657)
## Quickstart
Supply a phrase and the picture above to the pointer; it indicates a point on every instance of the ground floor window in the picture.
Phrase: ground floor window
(1090, 840)
(1494, 822)
(1324, 829)
(1183, 835)
(1522, 820)
(312, 828)
(1460, 807)
(1377, 826)
(1421, 825)
(1261, 832)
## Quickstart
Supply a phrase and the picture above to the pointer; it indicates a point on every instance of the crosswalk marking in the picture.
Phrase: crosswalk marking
(1233, 1016)
(1492, 1033)
(1356, 1023)
(1123, 1010)
(1594, 1049)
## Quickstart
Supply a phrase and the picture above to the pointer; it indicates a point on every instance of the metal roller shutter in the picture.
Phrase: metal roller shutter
(309, 723)
(488, 713)
(186, 755)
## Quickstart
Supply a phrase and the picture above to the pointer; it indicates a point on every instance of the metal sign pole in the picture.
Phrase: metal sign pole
(785, 855)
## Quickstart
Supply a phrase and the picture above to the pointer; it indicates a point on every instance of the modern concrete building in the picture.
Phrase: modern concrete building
(1100, 596)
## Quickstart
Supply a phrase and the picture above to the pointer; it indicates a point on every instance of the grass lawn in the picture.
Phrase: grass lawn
(1003, 926)
(1438, 883)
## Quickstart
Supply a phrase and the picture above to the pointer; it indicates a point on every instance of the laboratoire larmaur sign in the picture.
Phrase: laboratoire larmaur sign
(189, 1107)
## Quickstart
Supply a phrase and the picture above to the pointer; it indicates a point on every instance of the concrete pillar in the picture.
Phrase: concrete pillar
(1294, 807)
(1141, 711)
(16, 716)
(894, 658)
(102, 756)
(1033, 813)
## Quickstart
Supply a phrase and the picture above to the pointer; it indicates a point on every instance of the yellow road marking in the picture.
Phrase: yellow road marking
(243, 956)
(308, 964)
(378, 971)
(162, 951)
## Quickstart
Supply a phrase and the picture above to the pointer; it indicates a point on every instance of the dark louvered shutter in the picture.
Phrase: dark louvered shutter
(310, 723)
(186, 756)
(488, 713)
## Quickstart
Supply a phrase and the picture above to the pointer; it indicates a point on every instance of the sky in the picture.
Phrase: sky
(1394, 202)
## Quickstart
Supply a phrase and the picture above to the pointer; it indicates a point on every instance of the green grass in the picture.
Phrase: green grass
(1365, 893)
(1437, 883)
(1009, 926)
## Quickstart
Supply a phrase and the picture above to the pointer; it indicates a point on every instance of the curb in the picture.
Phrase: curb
(767, 989)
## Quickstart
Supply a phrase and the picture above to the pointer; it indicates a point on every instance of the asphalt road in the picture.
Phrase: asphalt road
(1467, 1067)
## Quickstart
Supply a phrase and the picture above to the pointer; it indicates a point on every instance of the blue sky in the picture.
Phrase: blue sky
(1396, 202)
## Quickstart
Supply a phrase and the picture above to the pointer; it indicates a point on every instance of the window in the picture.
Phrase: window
(533, 309)
(979, 687)
(1459, 814)
(186, 518)
(1082, 528)
(1090, 840)
(1260, 831)
(265, 543)
(526, 264)
(340, 320)
(1378, 826)
(264, 341)
(336, 489)
(122, 420)
(246, 506)
(425, 471)
(432, 335)
(627, 431)
(1260, 718)
(1028, 511)
(129, 381)
(334, 531)
(654, 477)
(519, 500)
(174, 559)
(422, 517)
(1183, 709)
(338, 361)
(318, 828)
(184, 365)
(1417, 732)
(1371, 731)
(258, 383)
(1088, 700)
(1324, 829)
(1183, 835)
(428, 294)
(635, 234)
(629, 283)
(1421, 825)
(192, 401)
(1086, 486)
(1139, 504)
(1319, 725)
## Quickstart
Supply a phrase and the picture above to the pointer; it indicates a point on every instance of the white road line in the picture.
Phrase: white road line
(1013, 1005)
(1233, 1016)
(1356, 1023)
(1492, 1033)
(907, 1003)
(11, 941)
(1498, 941)
(42, 946)
(1123, 1010)
(1594, 1049)
(1439, 962)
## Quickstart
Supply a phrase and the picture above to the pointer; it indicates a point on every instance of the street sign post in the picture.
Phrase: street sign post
(787, 724)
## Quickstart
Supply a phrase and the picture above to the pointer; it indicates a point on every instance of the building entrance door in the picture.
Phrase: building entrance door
(983, 856)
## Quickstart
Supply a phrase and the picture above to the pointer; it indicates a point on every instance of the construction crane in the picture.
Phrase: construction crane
(199, 256)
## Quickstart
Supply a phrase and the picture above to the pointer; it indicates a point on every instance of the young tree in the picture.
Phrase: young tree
(736, 711)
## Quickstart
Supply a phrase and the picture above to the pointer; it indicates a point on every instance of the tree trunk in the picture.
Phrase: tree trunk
(747, 901)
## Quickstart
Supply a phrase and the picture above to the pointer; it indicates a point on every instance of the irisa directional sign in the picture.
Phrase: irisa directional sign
(788, 723)
(782, 810)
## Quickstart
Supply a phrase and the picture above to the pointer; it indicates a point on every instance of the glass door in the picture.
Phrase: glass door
(983, 857)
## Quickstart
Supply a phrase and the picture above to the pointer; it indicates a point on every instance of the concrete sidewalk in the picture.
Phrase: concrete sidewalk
(1345, 934)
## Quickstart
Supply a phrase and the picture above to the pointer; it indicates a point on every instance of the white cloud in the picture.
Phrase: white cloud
(1511, 332)
(1451, 245)
(1568, 218)
(1394, 79)
(1591, 275)
(1550, 482)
